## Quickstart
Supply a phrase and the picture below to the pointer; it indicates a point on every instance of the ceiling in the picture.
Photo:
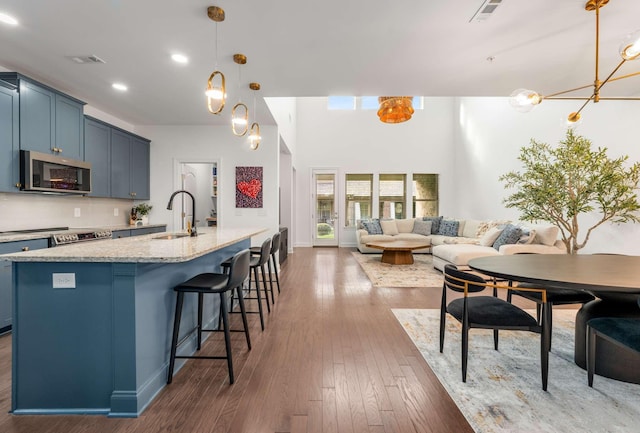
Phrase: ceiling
(298, 48)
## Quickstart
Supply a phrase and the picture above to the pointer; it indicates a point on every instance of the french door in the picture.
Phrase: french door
(325, 207)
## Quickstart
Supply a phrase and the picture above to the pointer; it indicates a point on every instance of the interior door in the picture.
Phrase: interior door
(188, 184)
(325, 208)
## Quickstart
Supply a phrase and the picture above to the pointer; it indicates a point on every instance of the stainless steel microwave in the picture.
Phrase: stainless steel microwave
(52, 173)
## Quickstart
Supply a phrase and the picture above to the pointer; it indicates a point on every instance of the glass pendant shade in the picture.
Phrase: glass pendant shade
(630, 46)
(395, 109)
(524, 100)
(254, 136)
(216, 93)
(240, 119)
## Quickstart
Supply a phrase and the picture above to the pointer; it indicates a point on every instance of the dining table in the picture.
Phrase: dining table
(613, 279)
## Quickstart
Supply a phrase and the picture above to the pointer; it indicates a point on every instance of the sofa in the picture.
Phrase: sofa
(456, 241)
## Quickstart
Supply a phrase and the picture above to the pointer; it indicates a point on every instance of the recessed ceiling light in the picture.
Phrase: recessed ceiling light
(8, 19)
(179, 58)
(120, 86)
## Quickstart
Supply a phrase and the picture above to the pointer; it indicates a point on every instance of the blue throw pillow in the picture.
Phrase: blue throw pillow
(435, 223)
(373, 227)
(510, 235)
(448, 228)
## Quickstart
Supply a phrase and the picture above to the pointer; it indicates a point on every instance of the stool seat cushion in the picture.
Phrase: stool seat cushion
(491, 311)
(623, 330)
(207, 282)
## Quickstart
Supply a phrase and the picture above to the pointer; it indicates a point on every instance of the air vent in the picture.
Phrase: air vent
(487, 8)
(84, 60)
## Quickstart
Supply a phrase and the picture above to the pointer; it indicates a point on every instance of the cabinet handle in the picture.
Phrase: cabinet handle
(25, 248)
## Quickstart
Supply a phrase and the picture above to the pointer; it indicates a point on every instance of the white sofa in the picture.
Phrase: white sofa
(458, 250)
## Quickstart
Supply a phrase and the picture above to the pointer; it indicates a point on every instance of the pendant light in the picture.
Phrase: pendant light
(254, 135)
(240, 112)
(216, 92)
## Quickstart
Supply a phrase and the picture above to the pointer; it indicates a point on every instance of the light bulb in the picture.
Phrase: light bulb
(239, 121)
(214, 93)
(524, 100)
(630, 46)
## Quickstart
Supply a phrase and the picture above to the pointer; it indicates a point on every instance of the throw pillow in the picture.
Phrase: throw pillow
(528, 235)
(490, 236)
(405, 225)
(510, 235)
(435, 223)
(448, 228)
(389, 227)
(546, 235)
(422, 227)
(372, 227)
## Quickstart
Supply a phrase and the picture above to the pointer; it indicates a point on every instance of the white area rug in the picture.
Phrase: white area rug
(503, 392)
(420, 274)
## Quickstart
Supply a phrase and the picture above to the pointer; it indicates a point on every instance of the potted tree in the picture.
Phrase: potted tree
(558, 184)
(140, 214)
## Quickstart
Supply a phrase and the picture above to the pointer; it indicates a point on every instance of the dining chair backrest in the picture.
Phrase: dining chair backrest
(456, 280)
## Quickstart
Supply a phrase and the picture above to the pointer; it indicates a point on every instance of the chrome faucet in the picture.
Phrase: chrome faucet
(193, 209)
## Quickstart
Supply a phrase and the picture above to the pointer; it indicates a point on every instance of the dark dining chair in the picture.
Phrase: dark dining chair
(621, 331)
(489, 312)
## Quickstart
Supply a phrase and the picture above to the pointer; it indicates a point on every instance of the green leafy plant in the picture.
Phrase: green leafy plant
(559, 184)
(142, 209)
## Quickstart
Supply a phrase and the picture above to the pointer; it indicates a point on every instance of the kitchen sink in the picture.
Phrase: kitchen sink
(166, 236)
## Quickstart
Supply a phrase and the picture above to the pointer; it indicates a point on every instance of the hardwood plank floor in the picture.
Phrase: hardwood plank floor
(332, 358)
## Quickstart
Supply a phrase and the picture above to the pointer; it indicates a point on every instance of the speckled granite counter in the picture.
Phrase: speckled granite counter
(13, 236)
(92, 321)
(140, 249)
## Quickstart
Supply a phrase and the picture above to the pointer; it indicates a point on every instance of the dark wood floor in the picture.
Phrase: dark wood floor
(332, 358)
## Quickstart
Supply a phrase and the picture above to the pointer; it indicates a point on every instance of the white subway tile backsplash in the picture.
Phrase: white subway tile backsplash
(29, 211)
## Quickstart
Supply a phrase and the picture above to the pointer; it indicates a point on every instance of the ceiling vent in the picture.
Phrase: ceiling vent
(84, 60)
(485, 10)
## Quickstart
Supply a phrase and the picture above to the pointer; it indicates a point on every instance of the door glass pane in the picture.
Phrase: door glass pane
(392, 195)
(325, 206)
(358, 189)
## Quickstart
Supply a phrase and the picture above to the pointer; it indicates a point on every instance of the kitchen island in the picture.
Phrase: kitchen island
(92, 321)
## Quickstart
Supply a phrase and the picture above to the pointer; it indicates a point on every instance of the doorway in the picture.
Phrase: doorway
(325, 208)
(200, 178)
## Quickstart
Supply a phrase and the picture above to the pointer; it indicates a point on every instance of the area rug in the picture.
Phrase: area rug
(420, 274)
(503, 392)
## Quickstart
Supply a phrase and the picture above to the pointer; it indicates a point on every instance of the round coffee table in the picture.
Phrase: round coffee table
(398, 252)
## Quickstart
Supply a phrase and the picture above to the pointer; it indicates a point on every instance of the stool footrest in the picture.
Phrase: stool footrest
(199, 357)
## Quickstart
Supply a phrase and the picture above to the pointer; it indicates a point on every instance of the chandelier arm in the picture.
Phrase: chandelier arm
(552, 96)
(597, 44)
(611, 75)
(585, 103)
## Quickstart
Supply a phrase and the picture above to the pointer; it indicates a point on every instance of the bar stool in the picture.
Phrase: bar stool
(257, 262)
(212, 283)
(275, 247)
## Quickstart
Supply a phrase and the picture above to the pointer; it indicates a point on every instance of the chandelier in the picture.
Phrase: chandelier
(216, 91)
(525, 100)
(395, 109)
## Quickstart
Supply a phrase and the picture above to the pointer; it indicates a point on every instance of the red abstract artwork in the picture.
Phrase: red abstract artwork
(249, 187)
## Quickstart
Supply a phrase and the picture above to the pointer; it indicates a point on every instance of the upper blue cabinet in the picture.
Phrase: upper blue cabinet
(50, 121)
(9, 134)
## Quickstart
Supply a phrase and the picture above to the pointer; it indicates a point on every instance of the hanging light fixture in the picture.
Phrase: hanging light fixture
(254, 134)
(525, 100)
(216, 92)
(240, 112)
(395, 109)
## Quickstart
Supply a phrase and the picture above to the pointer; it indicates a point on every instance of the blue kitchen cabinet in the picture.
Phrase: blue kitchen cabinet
(9, 138)
(129, 165)
(6, 279)
(97, 150)
(50, 121)
(138, 231)
(117, 234)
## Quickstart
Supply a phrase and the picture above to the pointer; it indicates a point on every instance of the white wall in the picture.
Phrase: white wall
(172, 144)
(489, 137)
(357, 142)
(284, 111)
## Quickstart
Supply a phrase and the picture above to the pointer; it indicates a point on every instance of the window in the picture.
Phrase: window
(425, 195)
(341, 103)
(392, 195)
(358, 197)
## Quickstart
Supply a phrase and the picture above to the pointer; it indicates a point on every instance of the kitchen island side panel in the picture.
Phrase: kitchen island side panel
(102, 347)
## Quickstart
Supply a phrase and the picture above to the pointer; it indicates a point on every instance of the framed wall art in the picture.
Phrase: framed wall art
(248, 187)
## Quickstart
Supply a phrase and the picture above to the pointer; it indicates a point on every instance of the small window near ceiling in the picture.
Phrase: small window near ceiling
(341, 103)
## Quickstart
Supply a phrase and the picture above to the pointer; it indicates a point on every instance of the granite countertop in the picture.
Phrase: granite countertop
(140, 249)
(18, 236)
